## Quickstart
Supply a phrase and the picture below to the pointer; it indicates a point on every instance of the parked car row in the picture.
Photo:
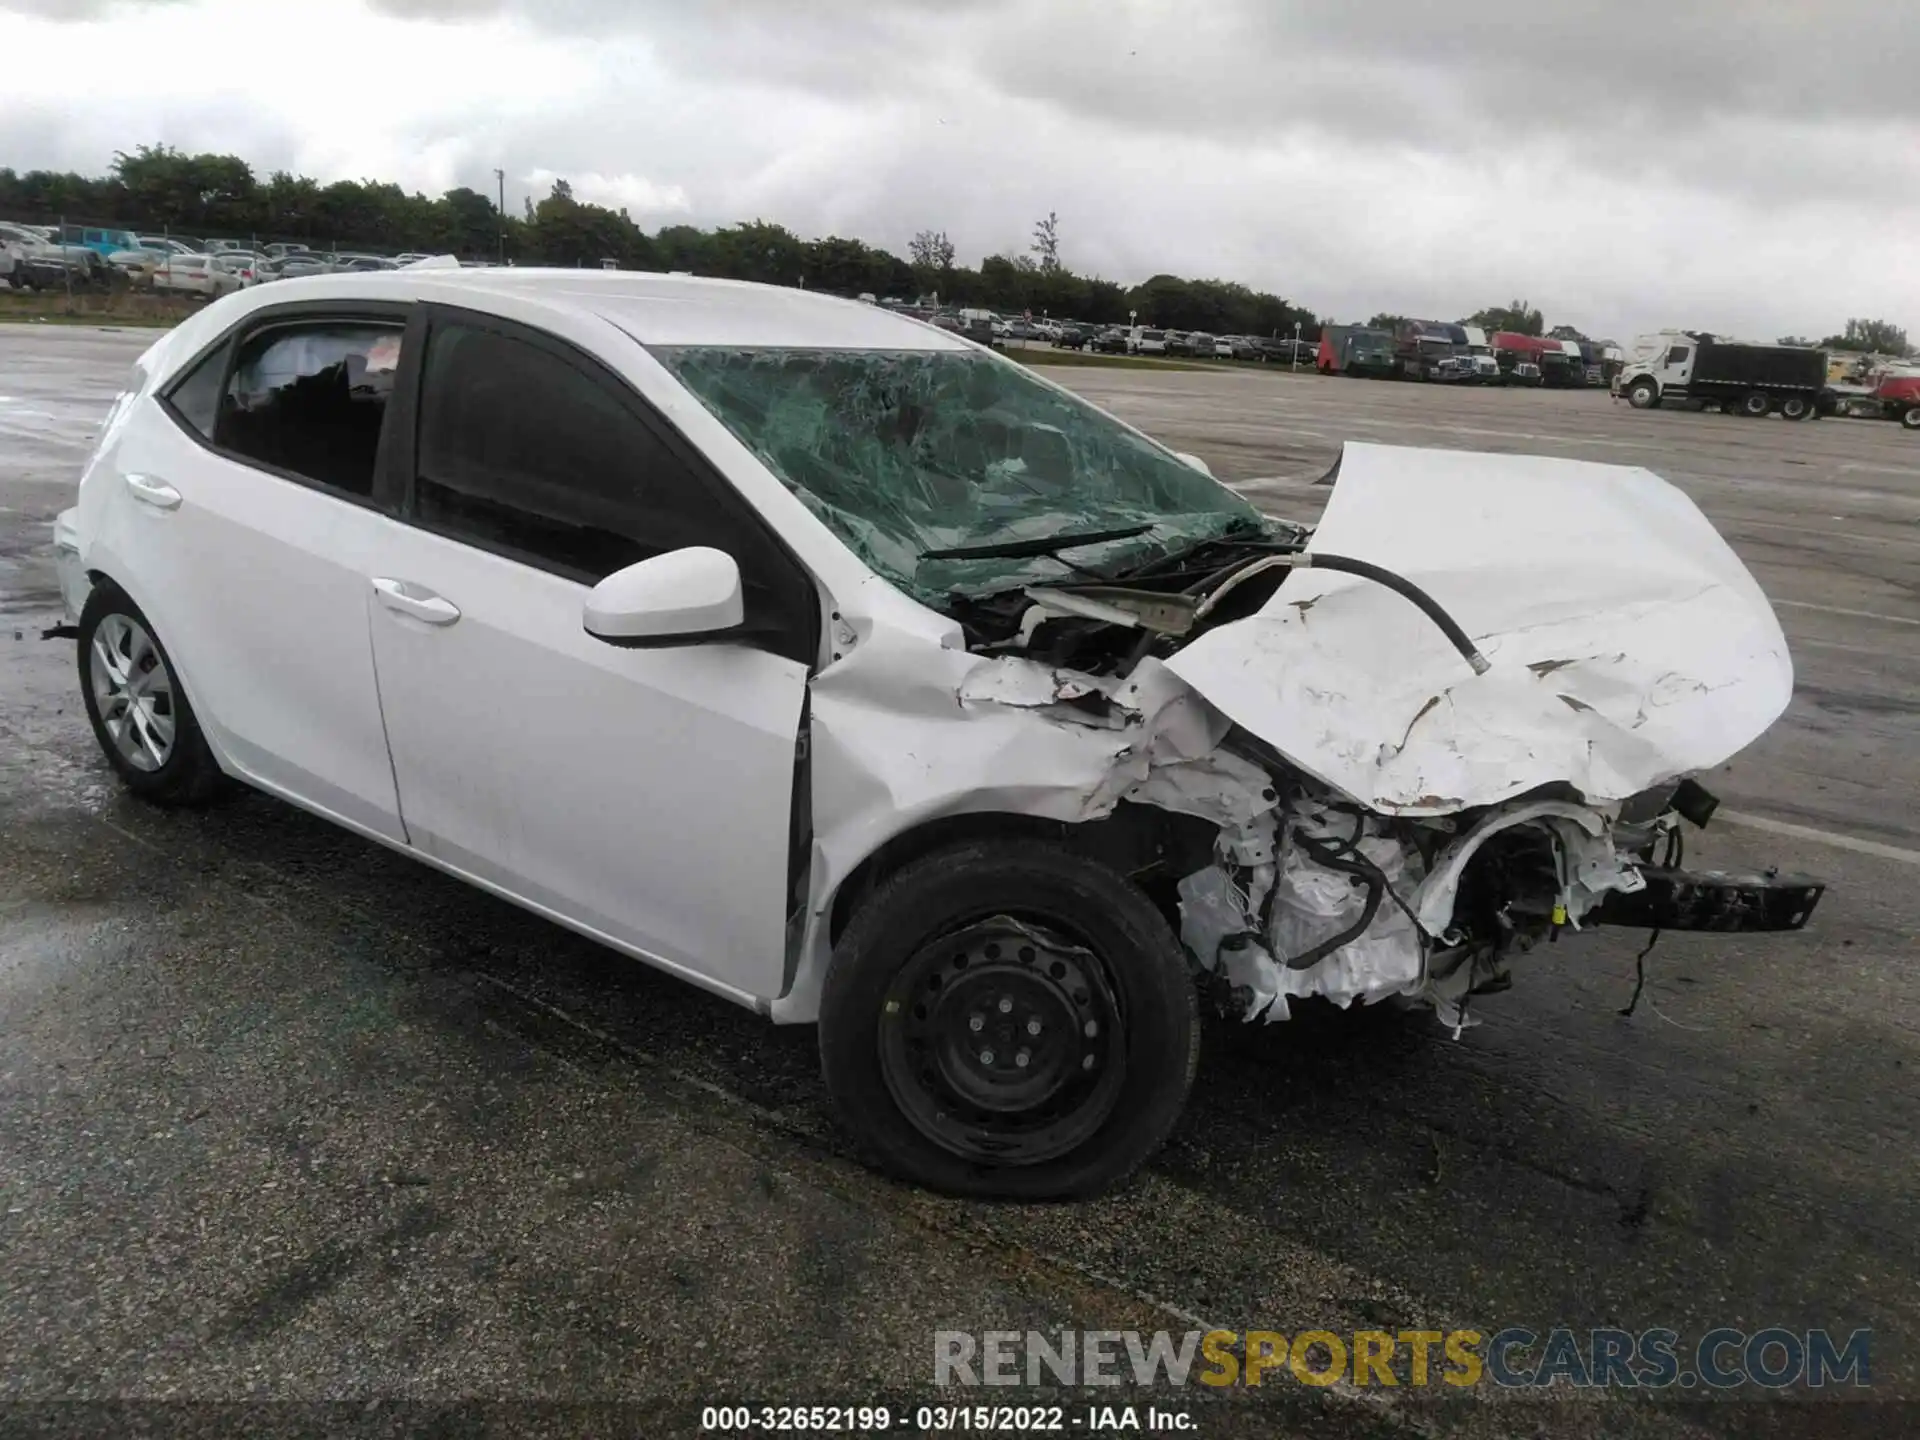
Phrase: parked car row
(1117, 339)
(50, 257)
(228, 266)
(36, 257)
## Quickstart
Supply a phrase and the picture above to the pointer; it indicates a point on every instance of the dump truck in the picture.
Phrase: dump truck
(1751, 380)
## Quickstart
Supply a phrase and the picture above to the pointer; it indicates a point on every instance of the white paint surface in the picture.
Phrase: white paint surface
(1628, 643)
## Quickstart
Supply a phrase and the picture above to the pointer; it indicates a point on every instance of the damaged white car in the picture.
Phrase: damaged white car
(857, 674)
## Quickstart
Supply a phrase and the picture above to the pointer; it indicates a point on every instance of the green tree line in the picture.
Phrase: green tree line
(157, 187)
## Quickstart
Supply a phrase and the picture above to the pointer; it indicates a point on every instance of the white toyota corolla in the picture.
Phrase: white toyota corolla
(854, 672)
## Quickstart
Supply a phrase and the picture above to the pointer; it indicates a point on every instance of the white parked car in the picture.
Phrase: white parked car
(734, 627)
(242, 268)
(210, 275)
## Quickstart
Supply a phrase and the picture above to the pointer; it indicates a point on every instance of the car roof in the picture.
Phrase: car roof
(656, 309)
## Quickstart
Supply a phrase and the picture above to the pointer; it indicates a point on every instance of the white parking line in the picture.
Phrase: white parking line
(1875, 848)
(1856, 614)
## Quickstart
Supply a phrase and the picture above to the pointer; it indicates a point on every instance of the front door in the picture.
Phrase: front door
(642, 795)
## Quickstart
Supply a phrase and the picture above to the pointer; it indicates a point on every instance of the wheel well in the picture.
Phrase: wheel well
(1153, 848)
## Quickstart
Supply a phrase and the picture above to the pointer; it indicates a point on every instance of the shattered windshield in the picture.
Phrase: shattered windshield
(901, 452)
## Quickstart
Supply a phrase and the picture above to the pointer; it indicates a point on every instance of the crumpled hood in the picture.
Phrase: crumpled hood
(1628, 644)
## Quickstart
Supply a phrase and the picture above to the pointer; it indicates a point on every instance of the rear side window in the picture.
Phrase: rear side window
(195, 396)
(309, 401)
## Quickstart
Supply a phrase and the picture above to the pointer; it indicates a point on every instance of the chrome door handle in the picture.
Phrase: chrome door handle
(155, 492)
(406, 598)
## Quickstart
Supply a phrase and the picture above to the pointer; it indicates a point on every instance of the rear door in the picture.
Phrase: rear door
(242, 518)
(642, 795)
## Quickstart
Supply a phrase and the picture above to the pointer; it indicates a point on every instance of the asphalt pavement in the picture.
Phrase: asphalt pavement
(288, 1119)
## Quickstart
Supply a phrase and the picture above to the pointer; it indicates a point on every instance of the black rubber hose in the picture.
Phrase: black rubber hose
(1330, 856)
(1346, 565)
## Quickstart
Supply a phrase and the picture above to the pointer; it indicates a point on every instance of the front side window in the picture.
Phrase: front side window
(902, 452)
(310, 400)
(527, 450)
(1678, 355)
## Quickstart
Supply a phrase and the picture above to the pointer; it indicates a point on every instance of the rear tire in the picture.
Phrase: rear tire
(1009, 1019)
(1796, 407)
(1643, 394)
(139, 710)
(1756, 404)
(1910, 417)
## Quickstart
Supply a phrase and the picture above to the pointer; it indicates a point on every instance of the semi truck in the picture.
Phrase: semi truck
(1874, 387)
(1518, 356)
(1486, 369)
(1897, 398)
(1752, 380)
(1429, 350)
(1562, 367)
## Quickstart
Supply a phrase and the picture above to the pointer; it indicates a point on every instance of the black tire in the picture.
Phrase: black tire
(1756, 404)
(1796, 407)
(1121, 1091)
(1643, 394)
(1910, 417)
(187, 774)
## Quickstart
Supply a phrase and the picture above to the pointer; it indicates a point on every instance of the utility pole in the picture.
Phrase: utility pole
(501, 176)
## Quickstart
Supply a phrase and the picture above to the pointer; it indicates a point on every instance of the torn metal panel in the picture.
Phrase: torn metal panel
(1584, 836)
(907, 726)
(1628, 643)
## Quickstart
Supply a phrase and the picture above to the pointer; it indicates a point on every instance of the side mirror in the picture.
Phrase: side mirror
(683, 597)
(1195, 461)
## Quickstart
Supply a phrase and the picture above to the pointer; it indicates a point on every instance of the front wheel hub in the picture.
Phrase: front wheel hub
(1002, 1042)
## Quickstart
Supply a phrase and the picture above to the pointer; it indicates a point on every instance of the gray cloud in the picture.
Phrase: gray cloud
(1757, 98)
(1749, 164)
(77, 11)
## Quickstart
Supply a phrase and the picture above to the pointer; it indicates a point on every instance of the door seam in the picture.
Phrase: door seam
(386, 735)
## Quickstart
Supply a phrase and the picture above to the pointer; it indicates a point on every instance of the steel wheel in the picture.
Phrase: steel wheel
(1910, 418)
(133, 690)
(1003, 1043)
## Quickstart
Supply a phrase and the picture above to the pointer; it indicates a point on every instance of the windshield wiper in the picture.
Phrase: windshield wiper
(1244, 530)
(1048, 545)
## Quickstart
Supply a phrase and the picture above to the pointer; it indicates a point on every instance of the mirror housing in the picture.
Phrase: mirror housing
(684, 597)
(1195, 461)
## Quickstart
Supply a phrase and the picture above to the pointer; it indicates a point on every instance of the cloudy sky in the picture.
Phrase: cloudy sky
(1745, 165)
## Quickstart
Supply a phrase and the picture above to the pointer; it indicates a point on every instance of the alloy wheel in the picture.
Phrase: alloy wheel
(133, 690)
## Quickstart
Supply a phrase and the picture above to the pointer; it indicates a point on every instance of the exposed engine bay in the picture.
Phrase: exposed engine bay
(1338, 871)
